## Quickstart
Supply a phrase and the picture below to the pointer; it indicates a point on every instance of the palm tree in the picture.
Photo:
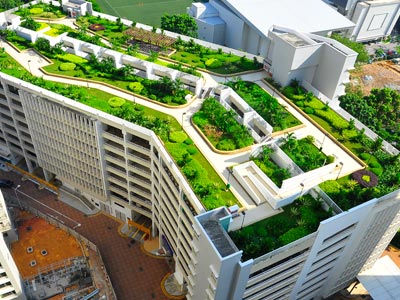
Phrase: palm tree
(291, 141)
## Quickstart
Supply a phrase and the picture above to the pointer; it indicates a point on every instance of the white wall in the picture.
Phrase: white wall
(374, 20)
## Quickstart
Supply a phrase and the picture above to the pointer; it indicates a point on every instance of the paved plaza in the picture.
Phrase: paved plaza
(134, 274)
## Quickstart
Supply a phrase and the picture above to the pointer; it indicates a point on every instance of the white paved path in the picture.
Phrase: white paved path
(30, 60)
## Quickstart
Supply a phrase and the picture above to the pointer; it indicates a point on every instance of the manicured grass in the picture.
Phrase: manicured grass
(57, 29)
(207, 183)
(146, 12)
(86, 72)
(42, 10)
(42, 26)
(224, 63)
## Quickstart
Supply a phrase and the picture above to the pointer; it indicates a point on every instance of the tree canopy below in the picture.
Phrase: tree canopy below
(380, 111)
(180, 23)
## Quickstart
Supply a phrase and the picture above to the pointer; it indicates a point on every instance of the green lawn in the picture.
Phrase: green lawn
(147, 12)
(208, 180)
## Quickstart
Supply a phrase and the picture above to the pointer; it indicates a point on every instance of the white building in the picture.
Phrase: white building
(124, 170)
(10, 280)
(289, 34)
(374, 19)
(245, 25)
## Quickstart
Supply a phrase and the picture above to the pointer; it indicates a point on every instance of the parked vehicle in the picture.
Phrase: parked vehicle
(5, 183)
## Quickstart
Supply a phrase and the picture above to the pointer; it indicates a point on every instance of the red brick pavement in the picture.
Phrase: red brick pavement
(134, 275)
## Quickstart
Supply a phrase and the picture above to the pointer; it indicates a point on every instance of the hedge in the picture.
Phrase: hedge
(178, 136)
(115, 102)
(36, 10)
(136, 87)
(68, 66)
(71, 58)
(213, 63)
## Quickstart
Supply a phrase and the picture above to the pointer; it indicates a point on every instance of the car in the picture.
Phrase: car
(5, 183)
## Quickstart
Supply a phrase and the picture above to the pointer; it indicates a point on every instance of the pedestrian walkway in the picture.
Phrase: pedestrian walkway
(220, 162)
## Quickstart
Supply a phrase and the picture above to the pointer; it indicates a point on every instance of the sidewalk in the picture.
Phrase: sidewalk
(220, 162)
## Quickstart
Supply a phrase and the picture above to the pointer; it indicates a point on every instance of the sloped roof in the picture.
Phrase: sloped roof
(310, 16)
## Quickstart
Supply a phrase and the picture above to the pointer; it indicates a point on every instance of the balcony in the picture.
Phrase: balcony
(112, 137)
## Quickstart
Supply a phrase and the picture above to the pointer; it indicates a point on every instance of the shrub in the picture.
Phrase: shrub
(298, 97)
(213, 63)
(349, 134)
(309, 110)
(377, 171)
(293, 235)
(300, 103)
(332, 118)
(375, 164)
(365, 156)
(178, 136)
(116, 102)
(67, 66)
(36, 10)
(188, 141)
(226, 145)
(67, 57)
(192, 150)
(136, 87)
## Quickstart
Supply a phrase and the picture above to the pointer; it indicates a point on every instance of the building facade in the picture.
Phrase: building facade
(10, 280)
(124, 170)
(374, 19)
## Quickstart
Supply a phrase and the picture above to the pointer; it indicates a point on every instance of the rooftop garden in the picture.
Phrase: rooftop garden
(189, 53)
(380, 111)
(264, 104)
(269, 167)
(347, 192)
(163, 90)
(206, 183)
(298, 219)
(220, 127)
(216, 61)
(42, 11)
(304, 153)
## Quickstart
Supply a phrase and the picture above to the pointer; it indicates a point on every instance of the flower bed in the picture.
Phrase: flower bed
(96, 27)
(220, 126)
(365, 178)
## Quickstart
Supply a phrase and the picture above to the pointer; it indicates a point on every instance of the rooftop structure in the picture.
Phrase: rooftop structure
(374, 19)
(125, 170)
(11, 285)
(260, 27)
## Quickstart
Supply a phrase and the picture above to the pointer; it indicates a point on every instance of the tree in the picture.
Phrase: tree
(183, 24)
(43, 44)
(31, 24)
(363, 55)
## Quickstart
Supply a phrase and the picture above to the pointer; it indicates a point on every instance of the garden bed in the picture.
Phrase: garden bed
(346, 192)
(264, 104)
(42, 11)
(215, 61)
(220, 126)
(205, 182)
(270, 168)
(298, 220)
(304, 153)
(164, 90)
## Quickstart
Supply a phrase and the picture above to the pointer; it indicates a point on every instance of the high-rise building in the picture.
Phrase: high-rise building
(124, 170)
(10, 280)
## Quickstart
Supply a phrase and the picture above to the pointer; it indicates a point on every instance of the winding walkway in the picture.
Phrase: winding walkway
(32, 61)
